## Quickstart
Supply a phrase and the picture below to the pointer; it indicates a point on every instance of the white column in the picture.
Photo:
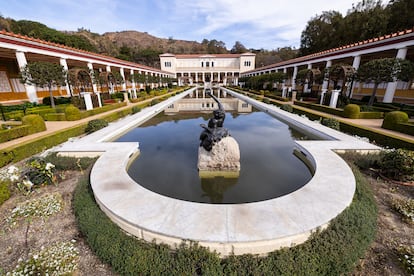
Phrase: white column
(30, 89)
(94, 85)
(325, 83)
(306, 88)
(356, 62)
(63, 62)
(108, 68)
(134, 87)
(121, 71)
(392, 86)
(295, 72)
(196, 77)
(204, 77)
(284, 81)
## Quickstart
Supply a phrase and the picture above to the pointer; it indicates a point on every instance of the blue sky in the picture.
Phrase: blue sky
(267, 24)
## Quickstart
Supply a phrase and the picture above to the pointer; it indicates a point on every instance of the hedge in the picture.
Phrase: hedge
(322, 108)
(55, 117)
(406, 128)
(385, 140)
(335, 251)
(21, 151)
(13, 133)
(338, 111)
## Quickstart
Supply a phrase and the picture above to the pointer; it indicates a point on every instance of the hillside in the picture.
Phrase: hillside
(135, 46)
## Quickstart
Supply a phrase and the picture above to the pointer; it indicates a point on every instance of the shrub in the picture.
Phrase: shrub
(135, 109)
(37, 124)
(64, 163)
(155, 101)
(331, 122)
(13, 133)
(287, 107)
(4, 191)
(406, 257)
(405, 207)
(351, 111)
(95, 125)
(72, 113)
(47, 101)
(392, 119)
(398, 164)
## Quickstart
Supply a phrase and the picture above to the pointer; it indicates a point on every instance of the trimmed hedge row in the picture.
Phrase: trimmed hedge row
(23, 150)
(30, 124)
(334, 251)
(13, 133)
(339, 112)
(406, 128)
(322, 108)
(385, 140)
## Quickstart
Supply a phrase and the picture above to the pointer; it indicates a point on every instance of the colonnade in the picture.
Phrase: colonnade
(398, 45)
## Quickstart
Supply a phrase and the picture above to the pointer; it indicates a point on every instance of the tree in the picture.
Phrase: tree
(385, 70)
(238, 48)
(401, 15)
(321, 33)
(44, 74)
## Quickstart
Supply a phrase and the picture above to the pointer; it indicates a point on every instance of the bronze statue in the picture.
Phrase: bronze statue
(214, 131)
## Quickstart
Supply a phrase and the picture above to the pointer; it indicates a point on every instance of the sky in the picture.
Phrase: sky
(257, 24)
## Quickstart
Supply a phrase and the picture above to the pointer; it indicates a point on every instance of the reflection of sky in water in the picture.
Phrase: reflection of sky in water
(169, 151)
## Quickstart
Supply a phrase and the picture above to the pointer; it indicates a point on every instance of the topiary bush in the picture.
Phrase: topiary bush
(287, 107)
(95, 125)
(398, 164)
(72, 113)
(36, 123)
(392, 119)
(352, 111)
(331, 122)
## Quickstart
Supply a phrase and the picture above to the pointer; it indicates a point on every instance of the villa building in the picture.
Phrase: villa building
(398, 45)
(221, 69)
(16, 51)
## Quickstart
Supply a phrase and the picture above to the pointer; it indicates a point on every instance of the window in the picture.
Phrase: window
(245, 105)
(167, 64)
(202, 64)
(207, 64)
(212, 64)
(247, 63)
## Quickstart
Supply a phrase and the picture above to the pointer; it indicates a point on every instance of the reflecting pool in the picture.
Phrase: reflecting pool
(167, 163)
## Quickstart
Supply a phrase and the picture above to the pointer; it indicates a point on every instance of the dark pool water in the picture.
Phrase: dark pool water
(169, 144)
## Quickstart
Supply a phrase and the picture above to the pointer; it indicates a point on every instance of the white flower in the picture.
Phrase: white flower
(28, 184)
(49, 166)
(12, 170)
(14, 177)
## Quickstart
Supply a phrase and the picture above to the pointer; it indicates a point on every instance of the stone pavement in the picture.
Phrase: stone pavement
(53, 126)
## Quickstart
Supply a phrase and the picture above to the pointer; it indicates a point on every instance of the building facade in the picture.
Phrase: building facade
(396, 45)
(220, 69)
(16, 51)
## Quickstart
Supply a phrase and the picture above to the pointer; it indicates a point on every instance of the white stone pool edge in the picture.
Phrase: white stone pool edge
(256, 228)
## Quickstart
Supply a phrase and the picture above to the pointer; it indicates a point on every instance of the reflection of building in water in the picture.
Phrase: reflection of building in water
(199, 101)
